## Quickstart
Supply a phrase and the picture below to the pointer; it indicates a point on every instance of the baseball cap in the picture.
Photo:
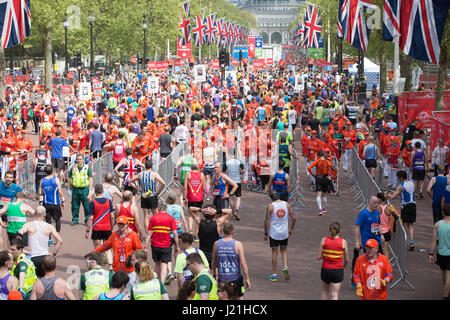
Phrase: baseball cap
(122, 219)
(408, 142)
(15, 295)
(314, 131)
(372, 243)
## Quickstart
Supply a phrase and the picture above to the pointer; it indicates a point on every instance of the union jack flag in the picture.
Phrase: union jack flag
(211, 29)
(419, 25)
(220, 33)
(185, 27)
(187, 9)
(129, 170)
(226, 35)
(313, 27)
(199, 31)
(15, 22)
(351, 23)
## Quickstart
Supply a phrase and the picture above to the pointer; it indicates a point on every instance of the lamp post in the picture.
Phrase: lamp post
(66, 26)
(91, 19)
(144, 27)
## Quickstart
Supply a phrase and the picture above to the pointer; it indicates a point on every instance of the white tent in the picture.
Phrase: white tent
(369, 66)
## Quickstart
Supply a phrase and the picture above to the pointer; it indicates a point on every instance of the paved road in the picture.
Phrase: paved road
(303, 246)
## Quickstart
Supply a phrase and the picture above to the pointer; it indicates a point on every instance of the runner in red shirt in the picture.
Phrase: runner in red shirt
(159, 231)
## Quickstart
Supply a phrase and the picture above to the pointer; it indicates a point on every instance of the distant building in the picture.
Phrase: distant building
(273, 17)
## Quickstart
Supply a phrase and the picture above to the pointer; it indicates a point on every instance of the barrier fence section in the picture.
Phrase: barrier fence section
(25, 174)
(296, 195)
(101, 166)
(366, 187)
(166, 169)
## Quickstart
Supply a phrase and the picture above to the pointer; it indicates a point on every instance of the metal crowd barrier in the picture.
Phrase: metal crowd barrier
(367, 187)
(101, 166)
(294, 174)
(166, 169)
(24, 174)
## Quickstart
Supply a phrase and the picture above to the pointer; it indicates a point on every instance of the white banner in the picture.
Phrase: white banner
(85, 91)
(199, 73)
(153, 85)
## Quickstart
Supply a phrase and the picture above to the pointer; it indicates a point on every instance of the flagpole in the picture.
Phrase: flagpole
(168, 49)
(328, 40)
(396, 65)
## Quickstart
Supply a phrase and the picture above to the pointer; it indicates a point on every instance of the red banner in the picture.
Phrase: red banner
(269, 61)
(10, 79)
(259, 63)
(158, 65)
(184, 52)
(66, 89)
(439, 130)
(234, 61)
(418, 104)
(179, 62)
(215, 64)
(251, 47)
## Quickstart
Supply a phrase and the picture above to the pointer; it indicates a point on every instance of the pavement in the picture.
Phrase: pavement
(304, 267)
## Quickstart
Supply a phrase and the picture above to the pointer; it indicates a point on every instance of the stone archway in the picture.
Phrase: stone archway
(276, 38)
(265, 37)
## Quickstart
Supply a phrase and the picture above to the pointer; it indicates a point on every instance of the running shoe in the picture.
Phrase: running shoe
(169, 279)
(352, 284)
(196, 238)
(208, 198)
(286, 273)
(244, 182)
(236, 215)
(411, 246)
(320, 212)
(273, 278)
(324, 211)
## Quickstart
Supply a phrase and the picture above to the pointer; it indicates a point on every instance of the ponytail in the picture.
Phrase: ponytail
(144, 271)
(335, 229)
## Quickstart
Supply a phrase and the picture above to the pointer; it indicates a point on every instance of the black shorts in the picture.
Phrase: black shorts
(443, 262)
(197, 204)
(130, 188)
(220, 203)
(353, 121)
(164, 155)
(208, 171)
(149, 203)
(275, 243)
(53, 211)
(58, 163)
(12, 236)
(332, 275)
(162, 254)
(322, 184)
(418, 175)
(283, 196)
(100, 235)
(238, 192)
(370, 163)
(408, 213)
(387, 236)
(37, 261)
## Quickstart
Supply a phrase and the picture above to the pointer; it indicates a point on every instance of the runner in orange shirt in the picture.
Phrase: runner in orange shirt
(140, 146)
(372, 273)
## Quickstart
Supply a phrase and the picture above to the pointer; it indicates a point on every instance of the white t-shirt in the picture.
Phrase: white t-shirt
(181, 133)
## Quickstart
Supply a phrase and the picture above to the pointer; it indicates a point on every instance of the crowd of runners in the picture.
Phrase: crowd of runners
(236, 132)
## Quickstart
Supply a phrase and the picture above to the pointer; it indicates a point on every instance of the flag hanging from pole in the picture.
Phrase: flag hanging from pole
(313, 27)
(15, 22)
(419, 26)
(199, 31)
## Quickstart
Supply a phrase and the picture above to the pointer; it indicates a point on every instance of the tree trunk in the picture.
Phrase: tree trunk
(2, 74)
(48, 57)
(405, 71)
(442, 75)
(382, 66)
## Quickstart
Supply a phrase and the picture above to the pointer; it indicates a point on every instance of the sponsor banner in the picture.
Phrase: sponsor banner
(184, 52)
(251, 47)
(259, 63)
(215, 64)
(419, 104)
(234, 61)
(10, 79)
(269, 61)
(158, 65)
(200, 73)
(439, 130)
(258, 47)
(179, 62)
